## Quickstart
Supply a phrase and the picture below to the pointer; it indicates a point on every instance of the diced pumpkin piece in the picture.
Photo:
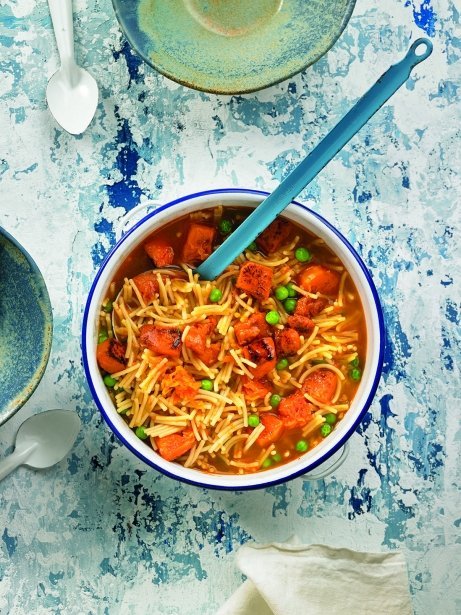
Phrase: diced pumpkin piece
(196, 341)
(287, 341)
(160, 251)
(321, 385)
(255, 280)
(110, 356)
(262, 353)
(161, 340)
(199, 243)
(253, 328)
(183, 385)
(301, 323)
(275, 236)
(306, 306)
(255, 389)
(273, 428)
(295, 410)
(319, 279)
(209, 355)
(175, 445)
(147, 284)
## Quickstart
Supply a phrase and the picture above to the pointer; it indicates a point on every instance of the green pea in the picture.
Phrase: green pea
(253, 420)
(206, 385)
(302, 255)
(291, 290)
(281, 292)
(290, 305)
(266, 463)
(102, 337)
(141, 433)
(355, 362)
(225, 226)
(215, 295)
(274, 400)
(252, 247)
(282, 364)
(277, 457)
(108, 307)
(330, 418)
(302, 446)
(109, 381)
(355, 374)
(123, 412)
(325, 430)
(273, 317)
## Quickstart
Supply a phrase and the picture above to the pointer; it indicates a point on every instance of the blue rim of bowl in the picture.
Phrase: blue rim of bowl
(264, 484)
(48, 334)
(316, 58)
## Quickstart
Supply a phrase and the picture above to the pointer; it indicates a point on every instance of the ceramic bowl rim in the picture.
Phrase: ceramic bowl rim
(48, 332)
(263, 482)
(346, 18)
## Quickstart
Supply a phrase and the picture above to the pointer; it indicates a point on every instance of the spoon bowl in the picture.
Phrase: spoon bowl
(43, 440)
(72, 97)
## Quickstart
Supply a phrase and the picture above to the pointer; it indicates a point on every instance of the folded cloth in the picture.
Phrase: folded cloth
(289, 579)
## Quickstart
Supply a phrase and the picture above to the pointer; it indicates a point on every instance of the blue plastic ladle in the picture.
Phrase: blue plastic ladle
(314, 162)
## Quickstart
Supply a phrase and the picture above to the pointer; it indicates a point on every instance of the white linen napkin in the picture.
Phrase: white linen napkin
(290, 579)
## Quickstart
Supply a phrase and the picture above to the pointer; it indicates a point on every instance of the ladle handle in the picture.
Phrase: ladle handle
(17, 458)
(62, 18)
(314, 162)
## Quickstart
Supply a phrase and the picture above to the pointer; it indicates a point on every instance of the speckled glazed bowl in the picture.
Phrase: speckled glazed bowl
(375, 341)
(232, 46)
(26, 325)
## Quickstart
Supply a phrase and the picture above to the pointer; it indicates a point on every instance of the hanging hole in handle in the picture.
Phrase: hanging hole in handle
(133, 216)
(421, 49)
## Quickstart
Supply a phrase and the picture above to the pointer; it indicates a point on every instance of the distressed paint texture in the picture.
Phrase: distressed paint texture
(100, 533)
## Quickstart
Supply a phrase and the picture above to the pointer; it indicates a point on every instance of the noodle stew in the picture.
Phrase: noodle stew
(240, 374)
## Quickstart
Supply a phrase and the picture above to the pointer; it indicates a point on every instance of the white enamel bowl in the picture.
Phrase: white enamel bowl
(371, 373)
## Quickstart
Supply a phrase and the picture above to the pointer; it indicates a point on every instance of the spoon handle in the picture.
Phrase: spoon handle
(62, 18)
(309, 168)
(17, 458)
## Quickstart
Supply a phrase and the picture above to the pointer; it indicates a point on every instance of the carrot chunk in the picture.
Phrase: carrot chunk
(287, 341)
(319, 279)
(173, 446)
(160, 251)
(161, 340)
(262, 353)
(196, 341)
(199, 243)
(110, 356)
(295, 410)
(306, 306)
(253, 328)
(273, 428)
(255, 389)
(275, 235)
(321, 385)
(147, 284)
(301, 323)
(255, 280)
(182, 384)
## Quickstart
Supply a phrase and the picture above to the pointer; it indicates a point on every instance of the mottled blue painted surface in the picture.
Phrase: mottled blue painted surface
(100, 533)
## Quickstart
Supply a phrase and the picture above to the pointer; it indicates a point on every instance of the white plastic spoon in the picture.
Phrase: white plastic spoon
(43, 440)
(72, 93)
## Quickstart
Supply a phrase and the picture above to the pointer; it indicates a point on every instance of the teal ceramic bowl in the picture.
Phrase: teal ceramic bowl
(232, 46)
(26, 326)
